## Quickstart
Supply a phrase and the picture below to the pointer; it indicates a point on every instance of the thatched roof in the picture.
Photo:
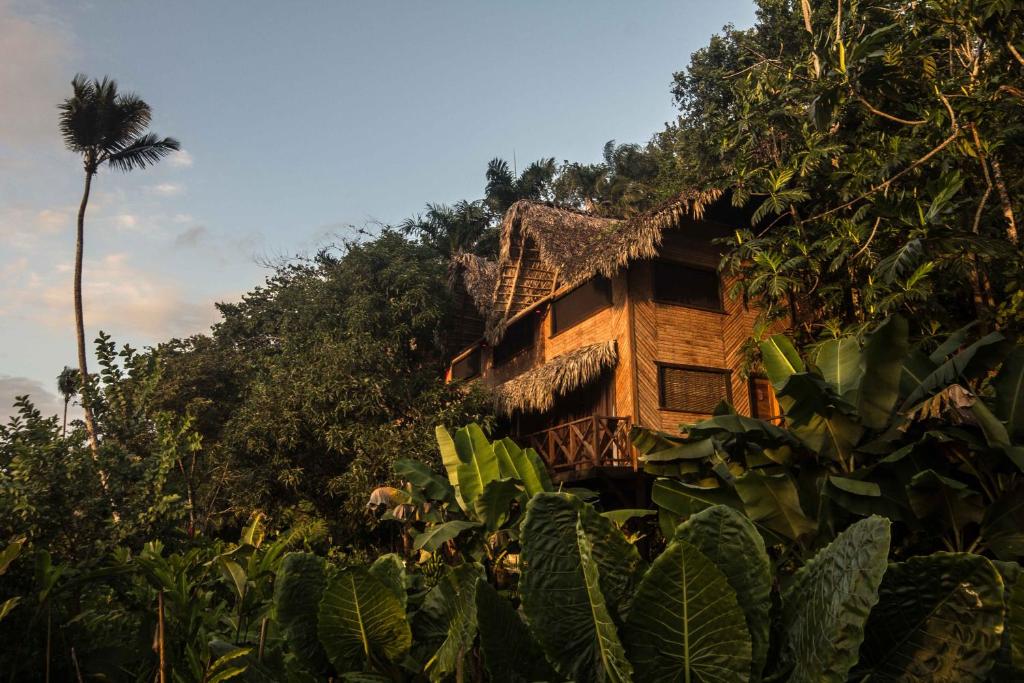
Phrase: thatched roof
(536, 390)
(544, 248)
(477, 274)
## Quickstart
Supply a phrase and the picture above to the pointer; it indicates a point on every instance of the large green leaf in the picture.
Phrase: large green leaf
(618, 561)
(780, 359)
(448, 615)
(450, 459)
(10, 553)
(1009, 386)
(939, 619)
(438, 534)
(728, 539)
(390, 570)
(478, 464)
(510, 652)
(772, 501)
(362, 623)
(839, 361)
(686, 623)
(561, 592)
(683, 500)
(433, 485)
(297, 591)
(883, 356)
(826, 605)
(524, 465)
(492, 505)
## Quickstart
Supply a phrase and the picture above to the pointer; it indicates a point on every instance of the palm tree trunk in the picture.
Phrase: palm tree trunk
(90, 426)
(64, 429)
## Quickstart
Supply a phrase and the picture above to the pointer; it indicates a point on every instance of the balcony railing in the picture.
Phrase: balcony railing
(572, 448)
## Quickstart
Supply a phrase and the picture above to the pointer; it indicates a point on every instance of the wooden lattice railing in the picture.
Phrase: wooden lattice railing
(573, 447)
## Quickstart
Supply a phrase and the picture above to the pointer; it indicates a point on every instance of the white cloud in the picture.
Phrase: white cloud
(180, 159)
(118, 297)
(166, 189)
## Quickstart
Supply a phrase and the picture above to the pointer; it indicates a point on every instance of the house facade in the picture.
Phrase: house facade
(587, 326)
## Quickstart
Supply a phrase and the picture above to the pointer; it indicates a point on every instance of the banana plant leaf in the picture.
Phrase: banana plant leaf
(361, 622)
(840, 364)
(562, 594)
(493, 503)
(437, 535)
(731, 542)
(949, 503)
(686, 623)
(969, 363)
(883, 356)
(522, 464)
(772, 500)
(1002, 528)
(683, 500)
(827, 603)
(939, 618)
(433, 485)
(478, 464)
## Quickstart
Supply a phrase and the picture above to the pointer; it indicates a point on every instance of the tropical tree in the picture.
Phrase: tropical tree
(109, 128)
(464, 227)
(505, 188)
(68, 384)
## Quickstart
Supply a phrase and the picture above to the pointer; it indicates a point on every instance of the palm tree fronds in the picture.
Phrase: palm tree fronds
(144, 151)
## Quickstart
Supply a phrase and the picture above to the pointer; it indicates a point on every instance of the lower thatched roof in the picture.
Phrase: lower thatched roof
(536, 390)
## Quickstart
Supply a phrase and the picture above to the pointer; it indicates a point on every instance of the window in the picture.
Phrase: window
(763, 404)
(676, 283)
(518, 337)
(467, 366)
(692, 390)
(580, 304)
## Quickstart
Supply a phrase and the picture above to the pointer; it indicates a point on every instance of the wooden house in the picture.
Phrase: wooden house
(587, 326)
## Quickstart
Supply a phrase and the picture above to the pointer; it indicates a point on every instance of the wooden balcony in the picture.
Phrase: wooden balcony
(575, 450)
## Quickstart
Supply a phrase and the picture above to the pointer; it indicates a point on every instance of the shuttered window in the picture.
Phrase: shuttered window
(518, 337)
(692, 390)
(468, 366)
(677, 283)
(580, 304)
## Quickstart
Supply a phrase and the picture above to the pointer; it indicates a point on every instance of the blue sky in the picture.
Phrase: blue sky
(297, 121)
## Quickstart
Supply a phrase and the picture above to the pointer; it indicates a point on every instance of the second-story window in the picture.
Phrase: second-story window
(691, 389)
(519, 336)
(693, 286)
(581, 303)
(468, 366)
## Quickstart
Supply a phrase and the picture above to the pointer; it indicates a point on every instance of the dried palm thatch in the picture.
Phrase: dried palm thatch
(478, 275)
(536, 390)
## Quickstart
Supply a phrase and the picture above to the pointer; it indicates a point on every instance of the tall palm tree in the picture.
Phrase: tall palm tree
(68, 383)
(104, 126)
(504, 189)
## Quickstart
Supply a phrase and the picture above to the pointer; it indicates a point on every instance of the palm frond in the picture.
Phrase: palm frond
(143, 151)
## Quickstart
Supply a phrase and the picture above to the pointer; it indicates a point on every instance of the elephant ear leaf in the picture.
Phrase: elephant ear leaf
(731, 542)
(448, 616)
(561, 592)
(686, 623)
(510, 652)
(361, 621)
(939, 618)
(297, 590)
(390, 570)
(827, 603)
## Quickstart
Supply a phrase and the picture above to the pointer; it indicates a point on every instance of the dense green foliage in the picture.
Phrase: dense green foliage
(265, 501)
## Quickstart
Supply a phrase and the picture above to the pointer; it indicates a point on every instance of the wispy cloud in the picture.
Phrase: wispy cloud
(166, 189)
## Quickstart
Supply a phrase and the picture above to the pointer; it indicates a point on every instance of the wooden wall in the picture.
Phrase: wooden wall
(674, 334)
